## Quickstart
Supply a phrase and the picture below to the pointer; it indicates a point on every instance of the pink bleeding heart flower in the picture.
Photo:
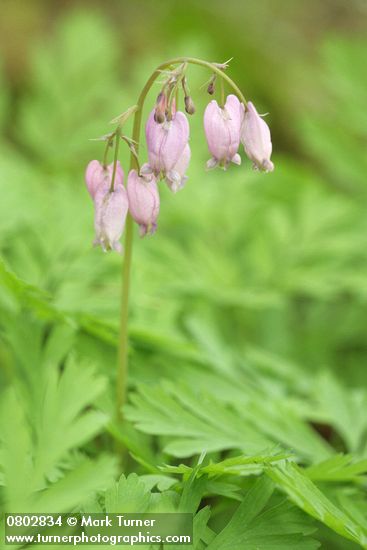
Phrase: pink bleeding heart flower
(176, 178)
(144, 201)
(111, 208)
(223, 131)
(98, 176)
(166, 142)
(256, 139)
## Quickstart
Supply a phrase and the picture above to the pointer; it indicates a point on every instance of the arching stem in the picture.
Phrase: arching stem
(122, 370)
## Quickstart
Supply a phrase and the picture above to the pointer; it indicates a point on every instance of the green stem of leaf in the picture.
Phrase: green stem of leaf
(115, 160)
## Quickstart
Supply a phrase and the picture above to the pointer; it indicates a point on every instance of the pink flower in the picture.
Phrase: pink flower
(166, 142)
(256, 139)
(110, 216)
(143, 201)
(176, 178)
(98, 176)
(110, 208)
(223, 131)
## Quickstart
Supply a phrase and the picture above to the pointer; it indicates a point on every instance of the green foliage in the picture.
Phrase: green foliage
(248, 312)
(280, 526)
(172, 410)
(337, 128)
(338, 468)
(257, 523)
(70, 91)
(310, 499)
(345, 410)
(41, 466)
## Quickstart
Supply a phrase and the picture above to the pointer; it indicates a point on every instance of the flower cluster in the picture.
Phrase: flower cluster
(111, 204)
(227, 126)
(167, 137)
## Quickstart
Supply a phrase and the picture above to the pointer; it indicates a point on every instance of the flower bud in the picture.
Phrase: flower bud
(166, 142)
(222, 129)
(159, 117)
(176, 178)
(98, 176)
(144, 201)
(211, 86)
(160, 108)
(256, 139)
(189, 105)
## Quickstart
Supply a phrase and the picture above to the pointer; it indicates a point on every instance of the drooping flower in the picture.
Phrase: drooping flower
(176, 178)
(144, 201)
(110, 207)
(256, 139)
(98, 176)
(223, 131)
(166, 142)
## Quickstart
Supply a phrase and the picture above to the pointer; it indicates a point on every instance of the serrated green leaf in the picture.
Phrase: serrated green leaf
(279, 527)
(309, 498)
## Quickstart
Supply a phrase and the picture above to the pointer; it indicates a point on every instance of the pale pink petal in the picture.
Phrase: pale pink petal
(99, 177)
(256, 139)
(176, 178)
(144, 201)
(222, 130)
(110, 216)
(166, 141)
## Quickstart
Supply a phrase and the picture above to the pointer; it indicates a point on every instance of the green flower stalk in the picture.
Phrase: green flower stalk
(167, 135)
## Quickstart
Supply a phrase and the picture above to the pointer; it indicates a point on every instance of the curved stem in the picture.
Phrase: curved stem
(123, 339)
(212, 66)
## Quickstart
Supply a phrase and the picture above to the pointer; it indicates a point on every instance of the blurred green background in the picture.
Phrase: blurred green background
(250, 277)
